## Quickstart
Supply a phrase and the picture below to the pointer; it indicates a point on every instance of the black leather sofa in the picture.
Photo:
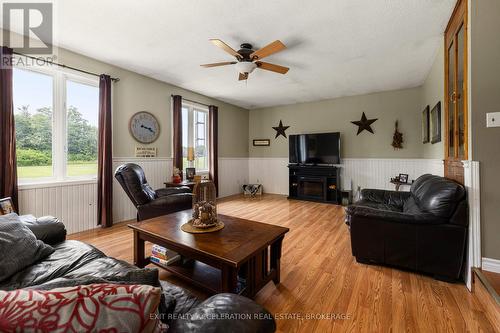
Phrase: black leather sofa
(423, 230)
(76, 263)
(151, 203)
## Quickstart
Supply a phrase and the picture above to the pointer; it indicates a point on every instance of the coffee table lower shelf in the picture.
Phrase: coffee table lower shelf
(201, 275)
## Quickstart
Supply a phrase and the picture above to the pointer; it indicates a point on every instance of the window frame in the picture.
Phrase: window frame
(193, 130)
(60, 77)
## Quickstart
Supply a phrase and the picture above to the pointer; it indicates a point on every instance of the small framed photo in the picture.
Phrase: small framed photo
(190, 172)
(261, 143)
(6, 206)
(403, 178)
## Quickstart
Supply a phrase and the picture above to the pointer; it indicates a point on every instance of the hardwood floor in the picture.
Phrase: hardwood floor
(319, 277)
(494, 279)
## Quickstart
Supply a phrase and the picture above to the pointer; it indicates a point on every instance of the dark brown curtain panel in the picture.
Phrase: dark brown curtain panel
(213, 120)
(177, 132)
(8, 164)
(105, 155)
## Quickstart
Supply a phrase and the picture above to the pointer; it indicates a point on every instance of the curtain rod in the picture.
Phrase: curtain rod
(190, 100)
(63, 66)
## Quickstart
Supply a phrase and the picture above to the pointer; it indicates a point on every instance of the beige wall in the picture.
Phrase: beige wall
(433, 92)
(485, 92)
(337, 114)
(135, 92)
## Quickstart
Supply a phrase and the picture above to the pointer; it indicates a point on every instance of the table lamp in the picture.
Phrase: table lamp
(190, 155)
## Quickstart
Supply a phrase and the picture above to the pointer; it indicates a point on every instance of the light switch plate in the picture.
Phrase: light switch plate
(493, 119)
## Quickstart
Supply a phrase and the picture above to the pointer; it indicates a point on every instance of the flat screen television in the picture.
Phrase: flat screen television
(319, 148)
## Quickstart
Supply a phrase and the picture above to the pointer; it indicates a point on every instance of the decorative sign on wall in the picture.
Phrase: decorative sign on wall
(145, 151)
(280, 129)
(364, 124)
(261, 143)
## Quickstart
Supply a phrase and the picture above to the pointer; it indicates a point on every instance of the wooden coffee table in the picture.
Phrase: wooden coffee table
(241, 258)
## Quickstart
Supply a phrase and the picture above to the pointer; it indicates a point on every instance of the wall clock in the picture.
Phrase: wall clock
(144, 127)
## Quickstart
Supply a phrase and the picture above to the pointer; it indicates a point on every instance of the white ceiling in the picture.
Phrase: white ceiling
(335, 47)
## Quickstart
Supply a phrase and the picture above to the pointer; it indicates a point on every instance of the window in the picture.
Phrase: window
(33, 105)
(56, 116)
(195, 136)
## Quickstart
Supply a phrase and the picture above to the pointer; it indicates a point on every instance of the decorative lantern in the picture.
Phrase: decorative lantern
(204, 205)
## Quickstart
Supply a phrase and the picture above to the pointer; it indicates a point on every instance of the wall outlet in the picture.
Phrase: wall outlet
(493, 119)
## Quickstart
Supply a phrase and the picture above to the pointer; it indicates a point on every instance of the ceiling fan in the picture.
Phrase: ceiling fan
(248, 59)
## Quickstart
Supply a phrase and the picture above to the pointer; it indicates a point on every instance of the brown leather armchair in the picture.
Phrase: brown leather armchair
(151, 203)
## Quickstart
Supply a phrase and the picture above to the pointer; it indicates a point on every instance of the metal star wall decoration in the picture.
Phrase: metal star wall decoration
(280, 130)
(364, 124)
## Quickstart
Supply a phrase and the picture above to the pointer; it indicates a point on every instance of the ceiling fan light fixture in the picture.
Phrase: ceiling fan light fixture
(245, 67)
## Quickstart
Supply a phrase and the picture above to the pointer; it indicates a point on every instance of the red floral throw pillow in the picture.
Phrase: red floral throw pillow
(92, 308)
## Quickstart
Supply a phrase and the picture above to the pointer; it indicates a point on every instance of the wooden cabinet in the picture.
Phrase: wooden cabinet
(456, 128)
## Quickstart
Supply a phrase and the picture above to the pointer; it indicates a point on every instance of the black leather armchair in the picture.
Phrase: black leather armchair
(151, 203)
(423, 230)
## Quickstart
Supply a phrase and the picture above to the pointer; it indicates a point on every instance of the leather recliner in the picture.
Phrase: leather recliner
(422, 230)
(151, 203)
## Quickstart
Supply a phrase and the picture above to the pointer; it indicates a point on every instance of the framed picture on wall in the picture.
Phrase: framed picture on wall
(425, 125)
(261, 143)
(435, 128)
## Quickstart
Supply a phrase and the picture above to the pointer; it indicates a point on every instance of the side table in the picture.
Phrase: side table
(188, 183)
(398, 184)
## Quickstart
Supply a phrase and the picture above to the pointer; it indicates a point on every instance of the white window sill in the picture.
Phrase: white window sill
(29, 185)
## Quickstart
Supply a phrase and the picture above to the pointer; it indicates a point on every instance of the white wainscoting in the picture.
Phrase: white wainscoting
(233, 173)
(272, 173)
(76, 203)
(375, 173)
(73, 203)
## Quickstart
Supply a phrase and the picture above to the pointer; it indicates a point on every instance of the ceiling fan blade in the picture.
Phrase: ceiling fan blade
(243, 76)
(272, 67)
(219, 64)
(225, 47)
(267, 50)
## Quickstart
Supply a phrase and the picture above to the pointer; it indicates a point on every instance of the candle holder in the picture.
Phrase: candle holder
(204, 210)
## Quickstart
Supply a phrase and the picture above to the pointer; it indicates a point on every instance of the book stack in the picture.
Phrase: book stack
(163, 256)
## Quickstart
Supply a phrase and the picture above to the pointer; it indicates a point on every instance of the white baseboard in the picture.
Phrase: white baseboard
(491, 265)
